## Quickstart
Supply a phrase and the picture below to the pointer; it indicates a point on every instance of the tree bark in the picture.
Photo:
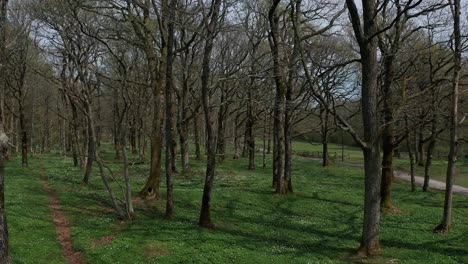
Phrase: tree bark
(169, 9)
(24, 137)
(91, 143)
(427, 166)
(370, 242)
(410, 155)
(196, 133)
(4, 254)
(205, 213)
(279, 155)
(152, 186)
(446, 223)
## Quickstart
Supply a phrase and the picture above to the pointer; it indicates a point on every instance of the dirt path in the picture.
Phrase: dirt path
(62, 226)
(433, 184)
(403, 175)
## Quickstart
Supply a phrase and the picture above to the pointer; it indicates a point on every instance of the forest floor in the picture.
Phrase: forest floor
(319, 223)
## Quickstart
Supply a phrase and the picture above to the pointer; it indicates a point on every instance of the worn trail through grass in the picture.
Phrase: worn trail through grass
(62, 225)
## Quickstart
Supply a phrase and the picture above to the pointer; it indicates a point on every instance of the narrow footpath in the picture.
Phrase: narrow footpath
(62, 225)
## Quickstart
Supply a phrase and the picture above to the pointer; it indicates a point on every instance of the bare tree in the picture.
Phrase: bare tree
(446, 223)
(211, 31)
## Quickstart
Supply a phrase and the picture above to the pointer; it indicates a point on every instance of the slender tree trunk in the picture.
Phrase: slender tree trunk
(251, 142)
(115, 203)
(324, 127)
(196, 133)
(264, 140)
(236, 138)
(250, 126)
(205, 213)
(170, 149)
(4, 254)
(184, 146)
(387, 172)
(24, 137)
(128, 187)
(173, 137)
(221, 138)
(410, 155)
(427, 166)
(446, 223)
(420, 148)
(91, 144)
(4, 258)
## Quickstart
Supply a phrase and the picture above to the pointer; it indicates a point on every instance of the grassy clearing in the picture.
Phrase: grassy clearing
(319, 223)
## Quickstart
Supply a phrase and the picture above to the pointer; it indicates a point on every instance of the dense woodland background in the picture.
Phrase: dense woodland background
(155, 88)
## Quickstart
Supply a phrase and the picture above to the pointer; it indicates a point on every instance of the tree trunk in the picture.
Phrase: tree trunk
(236, 138)
(196, 133)
(324, 133)
(91, 144)
(151, 188)
(173, 137)
(251, 142)
(205, 213)
(184, 146)
(420, 148)
(221, 146)
(4, 258)
(446, 222)
(427, 166)
(170, 148)
(410, 155)
(115, 203)
(24, 138)
(387, 173)
(128, 187)
(279, 147)
(369, 102)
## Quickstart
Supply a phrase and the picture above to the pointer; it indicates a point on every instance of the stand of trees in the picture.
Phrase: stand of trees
(167, 75)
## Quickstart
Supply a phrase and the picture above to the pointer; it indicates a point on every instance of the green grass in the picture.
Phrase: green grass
(354, 155)
(30, 226)
(319, 223)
